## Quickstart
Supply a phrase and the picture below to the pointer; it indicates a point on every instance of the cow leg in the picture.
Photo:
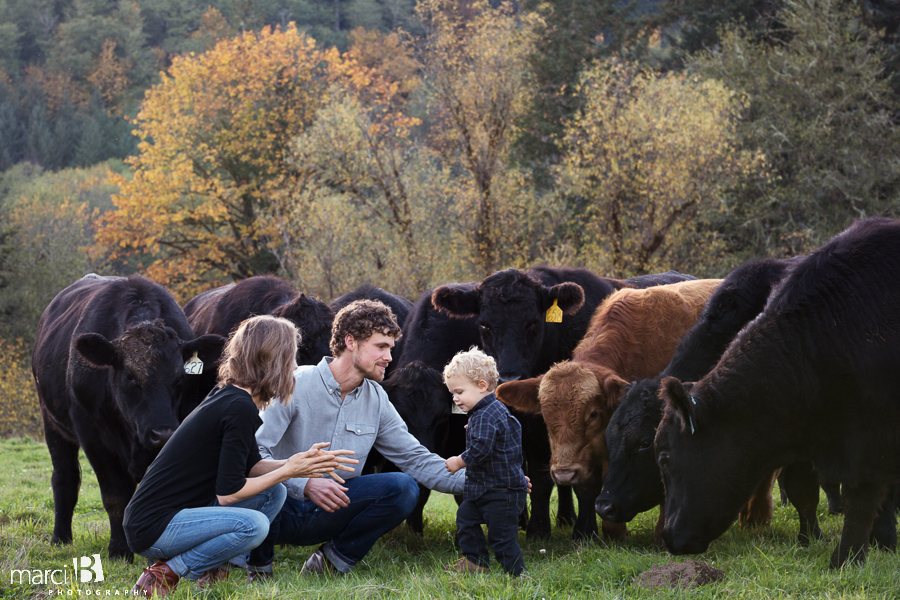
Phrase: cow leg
(116, 490)
(782, 491)
(884, 530)
(586, 523)
(833, 493)
(539, 521)
(861, 504)
(415, 520)
(760, 508)
(801, 484)
(65, 481)
(658, 540)
(565, 507)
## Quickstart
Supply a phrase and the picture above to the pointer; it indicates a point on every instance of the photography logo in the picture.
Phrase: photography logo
(88, 569)
(91, 569)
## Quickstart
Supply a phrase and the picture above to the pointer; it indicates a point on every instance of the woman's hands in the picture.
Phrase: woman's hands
(316, 461)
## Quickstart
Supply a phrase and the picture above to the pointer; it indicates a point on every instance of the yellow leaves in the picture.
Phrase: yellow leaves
(651, 152)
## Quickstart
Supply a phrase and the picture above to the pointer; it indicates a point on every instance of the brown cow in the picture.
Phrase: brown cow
(632, 335)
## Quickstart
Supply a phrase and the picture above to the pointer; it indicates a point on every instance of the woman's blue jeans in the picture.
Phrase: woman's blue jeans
(199, 539)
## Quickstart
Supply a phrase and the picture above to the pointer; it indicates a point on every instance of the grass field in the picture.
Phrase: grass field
(758, 564)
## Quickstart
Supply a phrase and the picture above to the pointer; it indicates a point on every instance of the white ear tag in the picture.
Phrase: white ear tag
(194, 366)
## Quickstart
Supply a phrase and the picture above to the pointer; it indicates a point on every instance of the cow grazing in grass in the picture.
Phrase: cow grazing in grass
(109, 368)
(632, 335)
(633, 483)
(221, 310)
(399, 305)
(812, 378)
(511, 311)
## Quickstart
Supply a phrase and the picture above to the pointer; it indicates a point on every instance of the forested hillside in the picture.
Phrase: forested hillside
(415, 143)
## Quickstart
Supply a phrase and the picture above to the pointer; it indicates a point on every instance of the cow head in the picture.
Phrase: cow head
(576, 401)
(511, 309)
(707, 479)
(632, 483)
(313, 318)
(145, 376)
(418, 393)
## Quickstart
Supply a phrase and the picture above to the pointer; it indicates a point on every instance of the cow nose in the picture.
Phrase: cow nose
(606, 509)
(564, 477)
(159, 437)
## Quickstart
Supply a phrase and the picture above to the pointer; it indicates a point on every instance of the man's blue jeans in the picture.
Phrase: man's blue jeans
(199, 539)
(378, 504)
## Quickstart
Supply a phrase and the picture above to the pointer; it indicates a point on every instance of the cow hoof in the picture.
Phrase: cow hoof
(117, 554)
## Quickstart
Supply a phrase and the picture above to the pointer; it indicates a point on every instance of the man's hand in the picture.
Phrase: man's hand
(326, 494)
(454, 464)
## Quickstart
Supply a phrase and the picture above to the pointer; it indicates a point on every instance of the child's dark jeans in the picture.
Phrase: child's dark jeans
(499, 510)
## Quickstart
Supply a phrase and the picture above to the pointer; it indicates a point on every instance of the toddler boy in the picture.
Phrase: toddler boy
(495, 487)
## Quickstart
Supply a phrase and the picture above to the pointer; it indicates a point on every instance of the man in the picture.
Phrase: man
(339, 401)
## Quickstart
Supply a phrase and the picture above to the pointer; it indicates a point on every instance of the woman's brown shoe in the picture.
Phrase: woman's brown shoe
(156, 579)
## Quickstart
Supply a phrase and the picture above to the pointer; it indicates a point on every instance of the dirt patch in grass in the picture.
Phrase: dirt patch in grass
(686, 575)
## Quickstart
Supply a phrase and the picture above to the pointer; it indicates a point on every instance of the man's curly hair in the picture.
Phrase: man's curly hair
(361, 319)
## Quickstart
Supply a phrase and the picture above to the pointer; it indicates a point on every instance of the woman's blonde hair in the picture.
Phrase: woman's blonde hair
(261, 356)
(474, 365)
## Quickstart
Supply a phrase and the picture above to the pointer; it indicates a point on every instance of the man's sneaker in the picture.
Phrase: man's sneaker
(319, 564)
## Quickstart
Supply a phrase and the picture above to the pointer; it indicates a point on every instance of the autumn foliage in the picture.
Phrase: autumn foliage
(214, 137)
(652, 154)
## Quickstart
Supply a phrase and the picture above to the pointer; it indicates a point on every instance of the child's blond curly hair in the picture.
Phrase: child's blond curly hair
(474, 365)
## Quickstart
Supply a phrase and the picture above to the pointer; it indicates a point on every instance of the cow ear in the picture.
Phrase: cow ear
(569, 297)
(456, 301)
(96, 349)
(208, 348)
(674, 394)
(521, 395)
(614, 388)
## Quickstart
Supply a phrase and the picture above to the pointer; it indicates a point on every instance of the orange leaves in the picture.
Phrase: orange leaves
(214, 138)
(111, 74)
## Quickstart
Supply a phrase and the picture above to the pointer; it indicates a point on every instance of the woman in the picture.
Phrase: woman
(209, 496)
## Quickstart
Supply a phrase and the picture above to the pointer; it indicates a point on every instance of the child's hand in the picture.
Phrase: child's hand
(454, 464)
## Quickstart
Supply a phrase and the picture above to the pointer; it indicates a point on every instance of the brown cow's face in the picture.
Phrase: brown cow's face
(576, 407)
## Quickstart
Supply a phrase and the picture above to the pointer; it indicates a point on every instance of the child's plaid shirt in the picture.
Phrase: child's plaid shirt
(493, 453)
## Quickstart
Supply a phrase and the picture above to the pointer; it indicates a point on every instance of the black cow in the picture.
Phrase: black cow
(633, 483)
(222, 309)
(416, 387)
(812, 378)
(511, 309)
(109, 368)
(399, 305)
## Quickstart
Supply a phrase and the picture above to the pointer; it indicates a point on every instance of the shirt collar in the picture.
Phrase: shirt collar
(331, 383)
(484, 402)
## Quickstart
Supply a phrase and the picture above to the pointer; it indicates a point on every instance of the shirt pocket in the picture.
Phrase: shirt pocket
(361, 429)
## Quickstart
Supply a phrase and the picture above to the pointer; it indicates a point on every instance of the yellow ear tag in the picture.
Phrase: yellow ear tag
(194, 366)
(554, 314)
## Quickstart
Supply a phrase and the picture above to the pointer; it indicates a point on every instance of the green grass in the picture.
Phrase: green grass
(758, 564)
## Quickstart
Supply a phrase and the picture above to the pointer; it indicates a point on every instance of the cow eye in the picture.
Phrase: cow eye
(594, 414)
(663, 459)
(129, 377)
(645, 445)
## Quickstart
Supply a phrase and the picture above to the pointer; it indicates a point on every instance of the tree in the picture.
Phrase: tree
(215, 135)
(651, 156)
(476, 58)
(47, 222)
(822, 110)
